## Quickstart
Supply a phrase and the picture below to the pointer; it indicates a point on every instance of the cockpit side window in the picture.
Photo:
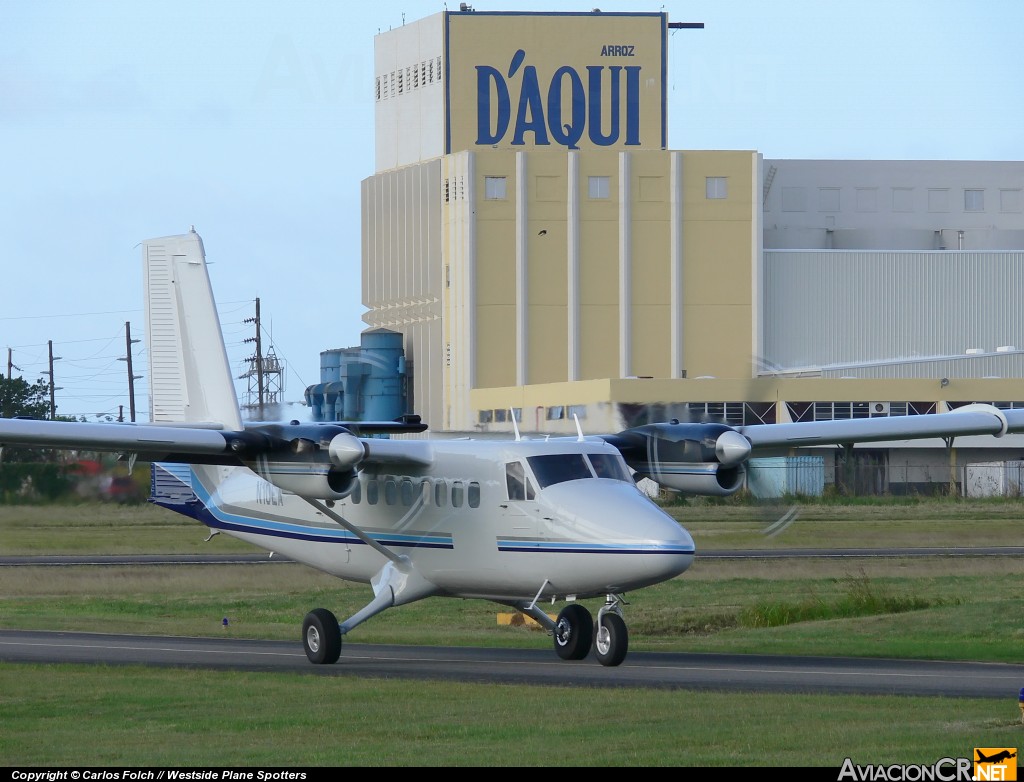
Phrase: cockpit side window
(519, 486)
(556, 468)
(514, 476)
(608, 465)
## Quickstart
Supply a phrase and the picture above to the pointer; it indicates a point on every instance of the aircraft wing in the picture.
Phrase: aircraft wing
(342, 444)
(710, 458)
(147, 441)
(969, 420)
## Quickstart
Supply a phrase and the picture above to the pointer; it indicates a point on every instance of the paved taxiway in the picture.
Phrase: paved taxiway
(723, 672)
(747, 673)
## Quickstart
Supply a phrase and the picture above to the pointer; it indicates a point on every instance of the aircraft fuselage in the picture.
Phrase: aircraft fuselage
(502, 520)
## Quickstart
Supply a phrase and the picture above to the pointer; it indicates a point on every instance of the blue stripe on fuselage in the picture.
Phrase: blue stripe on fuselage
(217, 517)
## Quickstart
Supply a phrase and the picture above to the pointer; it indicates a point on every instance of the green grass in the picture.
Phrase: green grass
(941, 608)
(132, 716)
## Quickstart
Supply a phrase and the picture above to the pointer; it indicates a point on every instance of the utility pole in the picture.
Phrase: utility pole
(265, 370)
(132, 377)
(258, 358)
(53, 388)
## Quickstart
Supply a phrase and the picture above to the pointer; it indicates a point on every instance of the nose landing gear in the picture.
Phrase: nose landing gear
(575, 632)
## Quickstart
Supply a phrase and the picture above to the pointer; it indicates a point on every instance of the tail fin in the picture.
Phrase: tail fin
(190, 378)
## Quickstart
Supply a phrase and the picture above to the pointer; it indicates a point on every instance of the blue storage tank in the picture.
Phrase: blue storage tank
(367, 383)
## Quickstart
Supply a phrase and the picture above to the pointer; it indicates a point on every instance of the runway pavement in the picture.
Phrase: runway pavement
(721, 672)
(724, 672)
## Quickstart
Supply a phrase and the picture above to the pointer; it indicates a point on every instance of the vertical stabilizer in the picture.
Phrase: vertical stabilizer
(190, 378)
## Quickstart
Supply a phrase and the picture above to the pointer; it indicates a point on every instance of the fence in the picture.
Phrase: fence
(872, 475)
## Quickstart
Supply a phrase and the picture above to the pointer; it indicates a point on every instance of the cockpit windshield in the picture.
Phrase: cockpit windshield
(558, 468)
(608, 465)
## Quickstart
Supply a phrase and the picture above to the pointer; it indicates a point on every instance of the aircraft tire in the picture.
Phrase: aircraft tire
(611, 640)
(321, 637)
(574, 632)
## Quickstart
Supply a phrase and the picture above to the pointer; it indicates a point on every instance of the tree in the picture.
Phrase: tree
(19, 398)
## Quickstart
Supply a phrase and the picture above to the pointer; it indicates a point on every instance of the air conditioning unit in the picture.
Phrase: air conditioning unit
(879, 408)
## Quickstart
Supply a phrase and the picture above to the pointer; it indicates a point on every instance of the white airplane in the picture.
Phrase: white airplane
(520, 522)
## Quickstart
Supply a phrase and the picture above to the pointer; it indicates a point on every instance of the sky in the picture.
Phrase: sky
(252, 121)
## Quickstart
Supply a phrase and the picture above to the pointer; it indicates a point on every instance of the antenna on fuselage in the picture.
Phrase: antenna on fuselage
(515, 426)
(579, 429)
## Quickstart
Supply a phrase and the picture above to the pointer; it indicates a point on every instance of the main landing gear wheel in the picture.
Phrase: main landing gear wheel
(574, 632)
(321, 637)
(611, 639)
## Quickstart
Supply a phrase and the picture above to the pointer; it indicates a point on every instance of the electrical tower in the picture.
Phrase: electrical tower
(265, 376)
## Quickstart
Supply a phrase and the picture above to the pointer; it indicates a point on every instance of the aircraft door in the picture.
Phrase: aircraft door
(521, 512)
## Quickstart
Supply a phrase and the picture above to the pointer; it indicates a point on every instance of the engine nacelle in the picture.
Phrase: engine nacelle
(692, 458)
(301, 460)
(346, 451)
(325, 483)
(709, 480)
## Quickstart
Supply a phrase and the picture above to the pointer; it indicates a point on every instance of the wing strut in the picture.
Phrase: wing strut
(384, 550)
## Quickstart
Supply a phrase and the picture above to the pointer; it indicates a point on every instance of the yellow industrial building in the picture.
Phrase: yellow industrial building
(542, 251)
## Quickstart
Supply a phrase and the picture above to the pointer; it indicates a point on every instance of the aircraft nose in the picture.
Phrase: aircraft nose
(616, 515)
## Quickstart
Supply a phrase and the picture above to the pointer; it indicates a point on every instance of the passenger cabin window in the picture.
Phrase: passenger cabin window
(519, 486)
(406, 490)
(440, 493)
(458, 491)
(473, 494)
(372, 491)
(558, 468)
(357, 492)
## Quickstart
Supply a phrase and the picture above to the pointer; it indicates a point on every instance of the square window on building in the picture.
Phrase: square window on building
(716, 187)
(597, 186)
(867, 199)
(1009, 200)
(938, 200)
(794, 199)
(903, 199)
(974, 200)
(494, 188)
(828, 199)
